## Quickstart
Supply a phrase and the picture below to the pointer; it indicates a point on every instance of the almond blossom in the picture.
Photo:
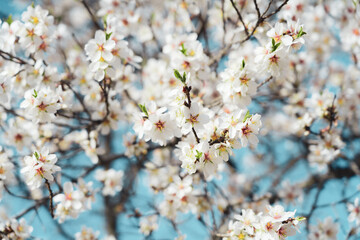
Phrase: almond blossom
(354, 211)
(249, 225)
(16, 229)
(99, 51)
(39, 166)
(69, 203)
(176, 113)
(41, 105)
(113, 181)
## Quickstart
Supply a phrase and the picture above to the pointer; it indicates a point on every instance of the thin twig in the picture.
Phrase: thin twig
(51, 195)
(257, 9)
(12, 58)
(240, 17)
(264, 82)
(92, 16)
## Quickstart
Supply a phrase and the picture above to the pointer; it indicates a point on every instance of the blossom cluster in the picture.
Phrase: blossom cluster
(15, 229)
(72, 202)
(113, 181)
(39, 166)
(274, 224)
(217, 107)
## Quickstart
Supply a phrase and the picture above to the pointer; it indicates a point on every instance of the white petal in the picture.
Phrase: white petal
(100, 36)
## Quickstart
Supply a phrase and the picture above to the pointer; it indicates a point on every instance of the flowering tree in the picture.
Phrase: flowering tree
(235, 116)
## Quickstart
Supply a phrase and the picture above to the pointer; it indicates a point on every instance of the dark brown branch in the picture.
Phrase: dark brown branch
(92, 16)
(80, 45)
(240, 17)
(79, 98)
(257, 9)
(268, 7)
(15, 195)
(187, 90)
(195, 134)
(105, 89)
(264, 82)
(313, 207)
(23, 213)
(51, 195)
(223, 21)
(12, 58)
(259, 21)
(278, 9)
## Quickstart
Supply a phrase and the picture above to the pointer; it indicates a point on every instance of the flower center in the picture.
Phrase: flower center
(68, 196)
(207, 157)
(42, 106)
(40, 171)
(18, 137)
(277, 38)
(160, 125)
(35, 20)
(269, 226)
(274, 59)
(246, 130)
(43, 46)
(193, 119)
(357, 210)
(20, 228)
(244, 79)
(282, 231)
(101, 47)
(186, 65)
(30, 32)
(184, 199)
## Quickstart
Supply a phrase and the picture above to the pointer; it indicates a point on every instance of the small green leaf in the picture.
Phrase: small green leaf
(9, 20)
(274, 45)
(36, 155)
(183, 50)
(247, 115)
(152, 17)
(105, 20)
(108, 35)
(33, 5)
(144, 110)
(198, 154)
(243, 63)
(178, 76)
(35, 94)
(184, 78)
(300, 33)
(300, 218)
